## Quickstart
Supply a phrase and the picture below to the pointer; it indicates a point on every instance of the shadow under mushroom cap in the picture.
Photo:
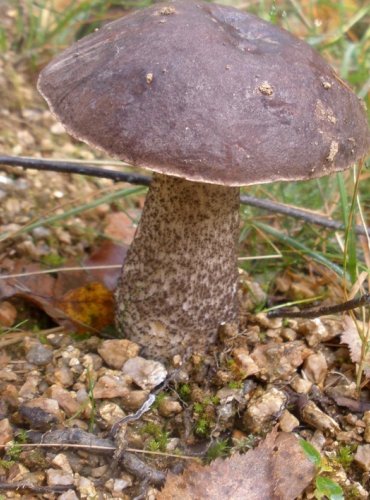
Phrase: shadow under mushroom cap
(207, 93)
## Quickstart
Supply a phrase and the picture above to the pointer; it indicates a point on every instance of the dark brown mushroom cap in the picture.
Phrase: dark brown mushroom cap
(207, 93)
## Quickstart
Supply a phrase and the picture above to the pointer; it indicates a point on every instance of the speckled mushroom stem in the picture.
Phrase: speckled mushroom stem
(179, 280)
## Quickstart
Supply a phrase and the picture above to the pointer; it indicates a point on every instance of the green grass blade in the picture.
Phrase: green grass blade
(122, 193)
(350, 251)
(300, 247)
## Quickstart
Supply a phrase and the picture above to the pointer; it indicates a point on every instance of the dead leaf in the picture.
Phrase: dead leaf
(81, 299)
(91, 305)
(120, 226)
(351, 337)
(277, 469)
(8, 314)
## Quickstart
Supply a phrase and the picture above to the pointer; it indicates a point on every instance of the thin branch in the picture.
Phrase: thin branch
(67, 167)
(117, 176)
(315, 312)
(298, 213)
(99, 449)
(18, 486)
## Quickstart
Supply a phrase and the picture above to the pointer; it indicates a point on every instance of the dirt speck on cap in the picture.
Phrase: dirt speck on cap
(324, 113)
(167, 11)
(266, 88)
(334, 147)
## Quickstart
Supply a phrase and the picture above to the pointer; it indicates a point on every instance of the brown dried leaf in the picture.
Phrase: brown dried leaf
(91, 305)
(80, 299)
(277, 469)
(120, 227)
(351, 337)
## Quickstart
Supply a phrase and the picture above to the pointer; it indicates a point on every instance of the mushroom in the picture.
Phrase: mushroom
(210, 99)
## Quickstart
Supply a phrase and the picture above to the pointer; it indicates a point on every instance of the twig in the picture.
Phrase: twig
(315, 312)
(74, 168)
(99, 449)
(18, 486)
(298, 213)
(116, 176)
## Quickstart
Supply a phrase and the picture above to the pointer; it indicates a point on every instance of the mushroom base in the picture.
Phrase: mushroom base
(179, 279)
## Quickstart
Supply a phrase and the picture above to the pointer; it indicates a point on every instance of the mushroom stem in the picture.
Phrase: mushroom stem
(179, 280)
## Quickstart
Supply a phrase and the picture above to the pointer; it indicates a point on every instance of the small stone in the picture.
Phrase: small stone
(176, 361)
(244, 362)
(39, 355)
(8, 314)
(289, 334)
(134, 400)
(85, 487)
(266, 322)
(263, 409)
(229, 395)
(317, 330)
(362, 456)
(29, 389)
(288, 422)
(112, 386)
(41, 413)
(348, 437)
(68, 495)
(111, 413)
(227, 331)
(62, 462)
(366, 420)
(342, 390)
(40, 233)
(318, 440)
(55, 477)
(116, 352)
(315, 368)
(18, 472)
(316, 418)
(301, 385)
(9, 395)
(169, 407)
(222, 377)
(147, 374)
(65, 399)
(6, 431)
(116, 486)
(93, 362)
(63, 376)
(98, 472)
(7, 375)
(279, 361)
(172, 444)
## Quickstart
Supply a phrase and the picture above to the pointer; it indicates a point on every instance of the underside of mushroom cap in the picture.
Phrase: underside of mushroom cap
(208, 93)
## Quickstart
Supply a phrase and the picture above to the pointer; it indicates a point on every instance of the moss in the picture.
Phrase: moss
(160, 437)
(218, 449)
(184, 391)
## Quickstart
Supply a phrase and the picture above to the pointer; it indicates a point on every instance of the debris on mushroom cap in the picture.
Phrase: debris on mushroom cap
(248, 115)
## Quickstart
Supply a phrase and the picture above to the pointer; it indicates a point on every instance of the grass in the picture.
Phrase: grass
(339, 30)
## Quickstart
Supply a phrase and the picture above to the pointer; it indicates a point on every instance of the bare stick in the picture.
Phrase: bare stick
(18, 486)
(315, 312)
(104, 450)
(117, 176)
(67, 167)
(298, 213)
